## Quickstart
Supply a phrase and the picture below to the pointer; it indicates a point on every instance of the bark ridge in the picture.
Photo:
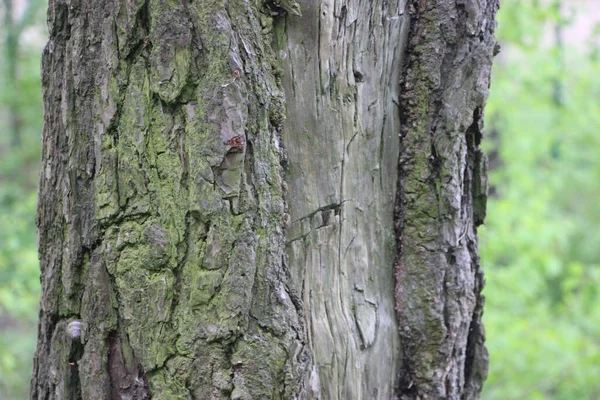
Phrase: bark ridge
(442, 188)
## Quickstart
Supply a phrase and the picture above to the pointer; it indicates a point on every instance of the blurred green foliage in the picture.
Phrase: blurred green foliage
(21, 124)
(539, 245)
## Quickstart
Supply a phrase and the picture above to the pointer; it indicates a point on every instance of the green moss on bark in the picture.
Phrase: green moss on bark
(182, 297)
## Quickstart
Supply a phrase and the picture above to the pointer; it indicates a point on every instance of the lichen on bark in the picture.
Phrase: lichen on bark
(442, 188)
(161, 205)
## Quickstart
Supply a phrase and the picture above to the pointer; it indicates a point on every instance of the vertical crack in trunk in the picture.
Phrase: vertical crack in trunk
(440, 199)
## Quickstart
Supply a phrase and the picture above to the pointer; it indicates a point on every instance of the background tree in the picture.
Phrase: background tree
(14, 27)
(230, 189)
(20, 127)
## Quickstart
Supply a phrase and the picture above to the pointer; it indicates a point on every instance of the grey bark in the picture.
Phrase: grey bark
(442, 191)
(239, 200)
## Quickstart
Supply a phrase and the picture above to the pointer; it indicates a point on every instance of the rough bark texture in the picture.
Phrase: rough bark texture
(169, 130)
(342, 65)
(161, 205)
(441, 199)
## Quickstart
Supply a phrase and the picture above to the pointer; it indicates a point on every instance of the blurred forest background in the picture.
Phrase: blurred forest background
(540, 243)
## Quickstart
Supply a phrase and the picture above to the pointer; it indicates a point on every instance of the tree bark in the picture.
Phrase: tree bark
(230, 190)
(442, 191)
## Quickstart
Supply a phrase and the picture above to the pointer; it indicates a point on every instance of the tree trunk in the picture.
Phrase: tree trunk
(230, 190)
(442, 191)
(11, 59)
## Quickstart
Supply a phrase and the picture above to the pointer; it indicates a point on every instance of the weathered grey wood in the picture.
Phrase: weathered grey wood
(342, 63)
(239, 199)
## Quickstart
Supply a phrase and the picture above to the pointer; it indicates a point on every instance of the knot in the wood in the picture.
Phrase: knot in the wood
(236, 142)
